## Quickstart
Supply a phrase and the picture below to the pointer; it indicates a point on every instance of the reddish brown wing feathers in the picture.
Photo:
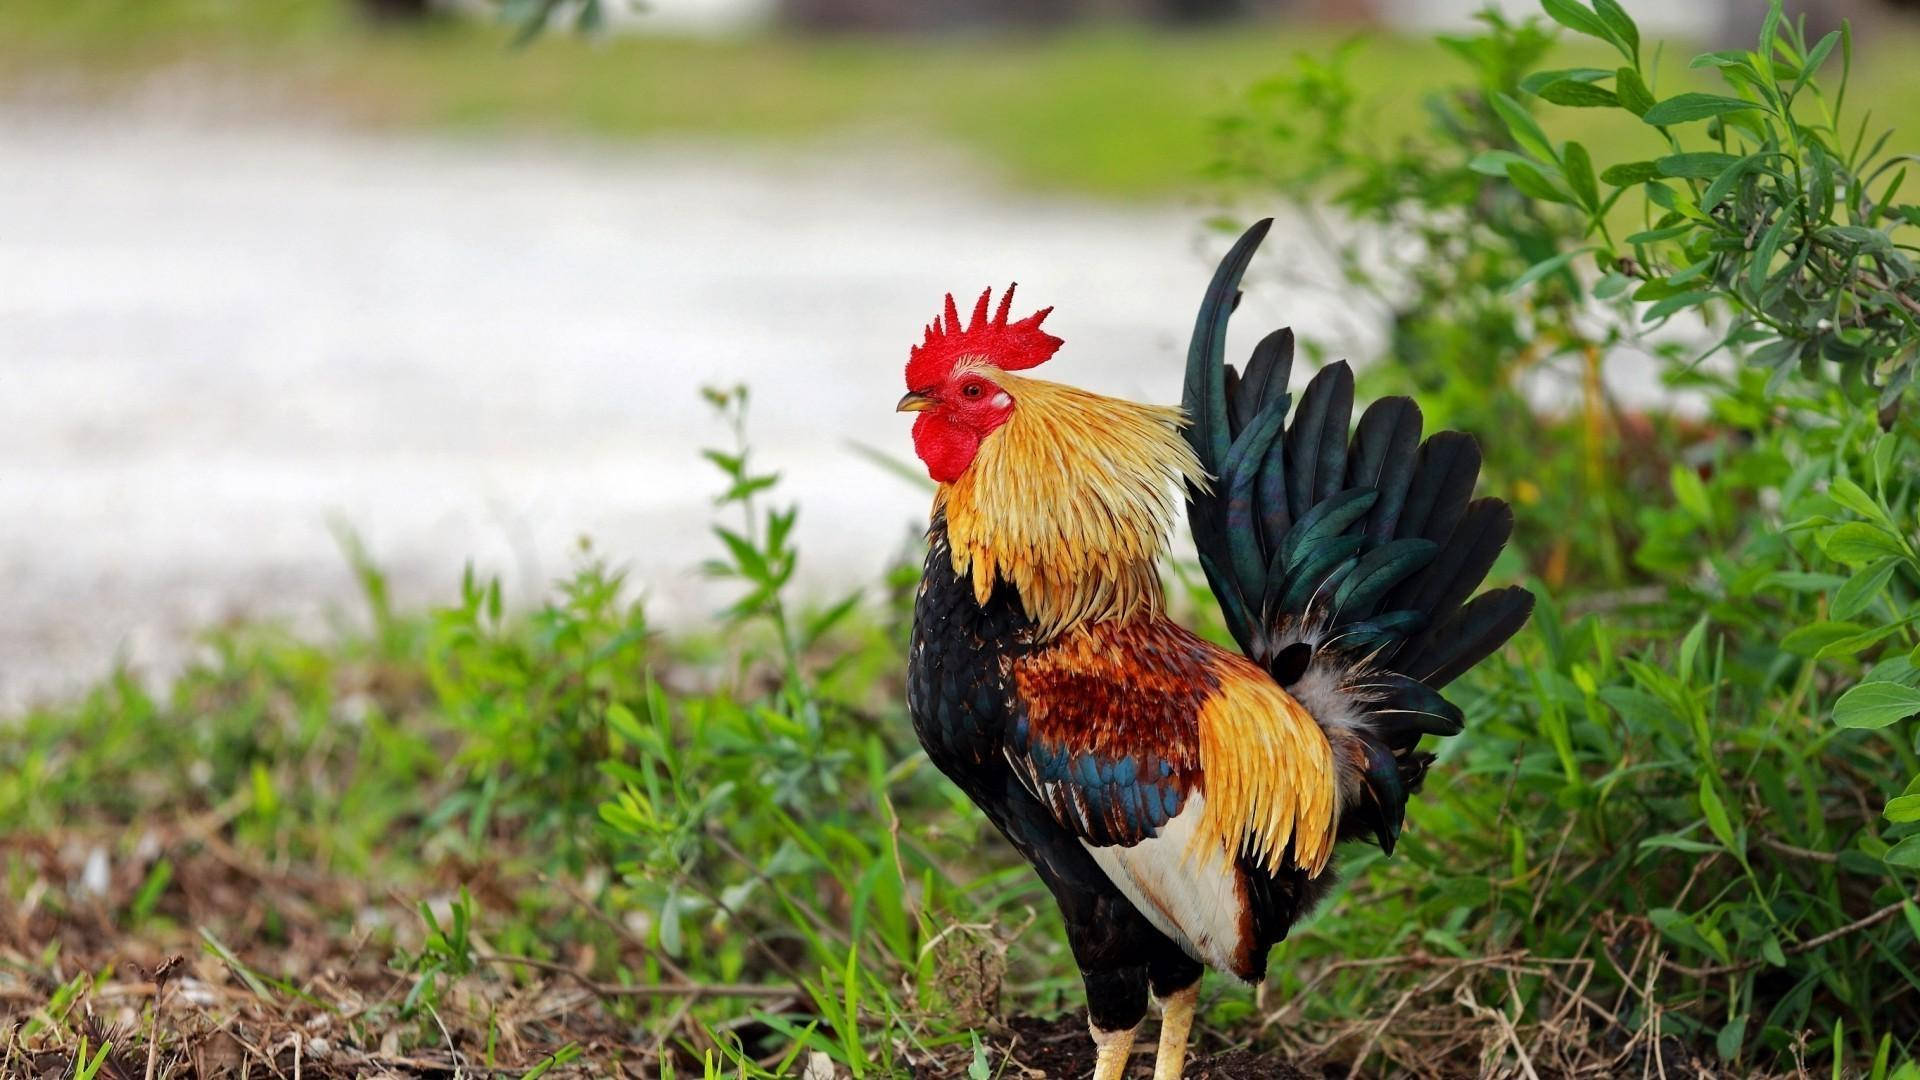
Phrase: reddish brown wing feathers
(1109, 732)
(1120, 688)
(1122, 721)
(1182, 767)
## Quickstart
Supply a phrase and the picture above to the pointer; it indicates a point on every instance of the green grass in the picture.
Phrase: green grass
(1114, 110)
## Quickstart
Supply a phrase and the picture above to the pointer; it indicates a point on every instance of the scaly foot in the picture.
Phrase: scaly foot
(1176, 1021)
(1113, 1048)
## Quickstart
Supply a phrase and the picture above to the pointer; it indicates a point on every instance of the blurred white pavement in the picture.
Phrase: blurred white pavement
(214, 342)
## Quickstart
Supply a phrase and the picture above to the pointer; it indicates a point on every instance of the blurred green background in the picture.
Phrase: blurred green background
(1096, 104)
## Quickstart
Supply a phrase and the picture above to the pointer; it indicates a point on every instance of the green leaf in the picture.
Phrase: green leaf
(1675, 303)
(1857, 543)
(1905, 853)
(1853, 645)
(1697, 166)
(1655, 235)
(1538, 81)
(1691, 493)
(1763, 251)
(1680, 200)
(1685, 108)
(627, 725)
(671, 940)
(747, 558)
(1612, 284)
(981, 1067)
(1690, 648)
(1895, 669)
(1862, 589)
(1631, 172)
(1903, 808)
(1534, 184)
(1657, 289)
(1810, 639)
(1526, 132)
(1769, 27)
(1855, 498)
(748, 487)
(1495, 162)
(1678, 843)
(1632, 91)
(1716, 813)
(729, 463)
(1579, 172)
(1683, 929)
(155, 885)
(1875, 705)
(1688, 273)
(1576, 18)
(1724, 58)
(1858, 236)
(1621, 24)
(1579, 95)
(1801, 581)
(819, 624)
(1723, 183)
(1884, 448)
(1731, 1038)
(1815, 57)
(1544, 267)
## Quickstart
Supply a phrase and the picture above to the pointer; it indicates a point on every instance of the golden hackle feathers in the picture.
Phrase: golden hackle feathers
(1270, 782)
(1071, 500)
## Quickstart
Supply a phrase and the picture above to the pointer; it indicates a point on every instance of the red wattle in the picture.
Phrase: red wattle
(945, 447)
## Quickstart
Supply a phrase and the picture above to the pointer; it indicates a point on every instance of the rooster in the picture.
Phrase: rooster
(1182, 801)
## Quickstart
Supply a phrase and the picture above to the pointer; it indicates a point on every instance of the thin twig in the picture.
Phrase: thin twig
(625, 933)
(153, 1034)
(1800, 852)
(1416, 959)
(1872, 281)
(1506, 1028)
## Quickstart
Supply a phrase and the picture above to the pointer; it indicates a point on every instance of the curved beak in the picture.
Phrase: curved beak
(914, 402)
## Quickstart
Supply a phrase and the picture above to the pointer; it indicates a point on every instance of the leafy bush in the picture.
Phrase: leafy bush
(778, 827)
(1686, 806)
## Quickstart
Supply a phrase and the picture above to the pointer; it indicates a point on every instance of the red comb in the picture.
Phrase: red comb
(1007, 346)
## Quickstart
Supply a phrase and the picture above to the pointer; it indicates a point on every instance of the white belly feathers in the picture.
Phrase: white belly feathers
(1194, 897)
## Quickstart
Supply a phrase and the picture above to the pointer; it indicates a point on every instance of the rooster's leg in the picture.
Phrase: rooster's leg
(1176, 1020)
(1112, 1050)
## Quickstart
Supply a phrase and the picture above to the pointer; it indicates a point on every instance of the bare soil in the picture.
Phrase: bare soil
(276, 971)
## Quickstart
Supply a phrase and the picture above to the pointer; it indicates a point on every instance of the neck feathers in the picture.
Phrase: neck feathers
(1071, 501)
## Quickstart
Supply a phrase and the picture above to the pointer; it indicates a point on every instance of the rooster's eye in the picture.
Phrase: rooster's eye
(971, 390)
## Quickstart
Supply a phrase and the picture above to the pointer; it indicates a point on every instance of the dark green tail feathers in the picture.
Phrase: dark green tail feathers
(1343, 555)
